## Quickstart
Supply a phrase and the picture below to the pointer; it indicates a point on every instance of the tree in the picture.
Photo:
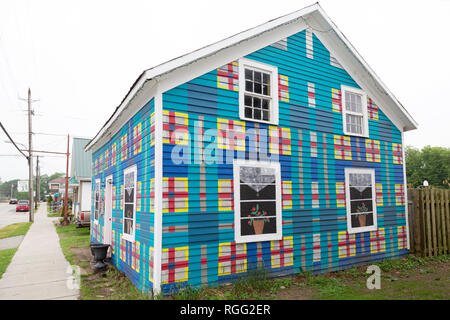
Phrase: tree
(430, 163)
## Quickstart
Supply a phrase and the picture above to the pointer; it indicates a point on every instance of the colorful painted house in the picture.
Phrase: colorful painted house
(276, 148)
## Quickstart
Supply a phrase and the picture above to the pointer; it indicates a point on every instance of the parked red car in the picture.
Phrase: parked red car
(22, 205)
(13, 201)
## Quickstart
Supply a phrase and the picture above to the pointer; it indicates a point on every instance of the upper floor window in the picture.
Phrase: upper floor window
(354, 112)
(258, 91)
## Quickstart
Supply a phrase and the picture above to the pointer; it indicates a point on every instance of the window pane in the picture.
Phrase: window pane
(256, 177)
(257, 114)
(360, 179)
(129, 195)
(362, 220)
(257, 76)
(360, 193)
(265, 115)
(249, 86)
(257, 88)
(265, 104)
(128, 226)
(264, 208)
(266, 78)
(257, 102)
(249, 193)
(258, 226)
(248, 113)
(129, 210)
(248, 74)
(248, 101)
(360, 206)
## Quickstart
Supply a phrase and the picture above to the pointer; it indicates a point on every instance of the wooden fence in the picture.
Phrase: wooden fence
(429, 221)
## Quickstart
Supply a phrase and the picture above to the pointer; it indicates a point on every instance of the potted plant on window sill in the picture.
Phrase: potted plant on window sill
(257, 219)
(362, 212)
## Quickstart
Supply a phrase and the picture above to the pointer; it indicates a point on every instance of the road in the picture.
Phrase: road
(8, 215)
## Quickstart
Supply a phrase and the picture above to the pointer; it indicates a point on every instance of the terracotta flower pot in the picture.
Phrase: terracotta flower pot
(362, 220)
(258, 225)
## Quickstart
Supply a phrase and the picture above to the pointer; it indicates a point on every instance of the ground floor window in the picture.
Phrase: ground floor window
(257, 206)
(97, 200)
(360, 199)
(129, 208)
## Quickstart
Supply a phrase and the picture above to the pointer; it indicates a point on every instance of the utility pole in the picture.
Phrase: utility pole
(37, 183)
(65, 221)
(12, 187)
(30, 159)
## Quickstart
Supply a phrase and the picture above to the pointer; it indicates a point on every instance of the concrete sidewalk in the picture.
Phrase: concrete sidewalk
(39, 269)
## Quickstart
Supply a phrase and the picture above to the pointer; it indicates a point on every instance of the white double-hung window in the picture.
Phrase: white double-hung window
(129, 207)
(360, 200)
(354, 111)
(97, 201)
(257, 201)
(258, 91)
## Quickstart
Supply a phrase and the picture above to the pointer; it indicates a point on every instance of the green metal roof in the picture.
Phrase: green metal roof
(73, 181)
(81, 166)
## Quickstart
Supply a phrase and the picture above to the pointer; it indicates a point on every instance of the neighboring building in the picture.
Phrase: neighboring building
(57, 185)
(80, 176)
(276, 148)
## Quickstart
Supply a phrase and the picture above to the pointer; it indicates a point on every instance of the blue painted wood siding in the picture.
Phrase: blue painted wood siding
(134, 259)
(314, 223)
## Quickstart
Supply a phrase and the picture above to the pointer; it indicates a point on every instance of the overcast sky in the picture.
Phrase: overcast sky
(80, 58)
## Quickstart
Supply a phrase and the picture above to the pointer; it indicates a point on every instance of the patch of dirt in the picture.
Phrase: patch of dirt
(83, 255)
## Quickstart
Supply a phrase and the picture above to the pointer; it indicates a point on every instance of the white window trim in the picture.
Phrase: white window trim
(95, 191)
(273, 70)
(347, 200)
(365, 121)
(126, 236)
(237, 163)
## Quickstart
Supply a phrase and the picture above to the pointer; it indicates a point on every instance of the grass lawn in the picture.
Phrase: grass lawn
(5, 258)
(15, 229)
(111, 284)
(407, 278)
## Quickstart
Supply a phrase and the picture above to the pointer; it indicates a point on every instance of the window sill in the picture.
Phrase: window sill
(128, 238)
(362, 229)
(275, 123)
(258, 238)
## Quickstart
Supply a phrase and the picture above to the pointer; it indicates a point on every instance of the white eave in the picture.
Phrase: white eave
(312, 16)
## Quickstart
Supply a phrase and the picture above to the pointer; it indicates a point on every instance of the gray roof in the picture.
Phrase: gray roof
(81, 161)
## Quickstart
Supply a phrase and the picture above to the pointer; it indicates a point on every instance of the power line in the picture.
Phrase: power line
(12, 141)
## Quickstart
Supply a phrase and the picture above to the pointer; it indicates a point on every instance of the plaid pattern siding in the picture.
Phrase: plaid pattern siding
(286, 191)
(399, 195)
(228, 76)
(372, 109)
(100, 163)
(340, 194)
(113, 242)
(135, 256)
(315, 194)
(347, 244)
(316, 247)
(397, 153)
(152, 195)
(283, 88)
(379, 194)
(175, 127)
(114, 197)
(122, 190)
(152, 129)
(106, 159)
(174, 265)
(137, 138)
(309, 44)
(282, 252)
(342, 148)
(377, 241)
(336, 100)
(373, 150)
(232, 258)
(122, 249)
(402, 239)
(113, 154)
(311, 95)
(231, 134)
(95, 166)
(175, 194)
(123, 147)
(313, 136)
(279, 140)
(226, 201)
(138, 195)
